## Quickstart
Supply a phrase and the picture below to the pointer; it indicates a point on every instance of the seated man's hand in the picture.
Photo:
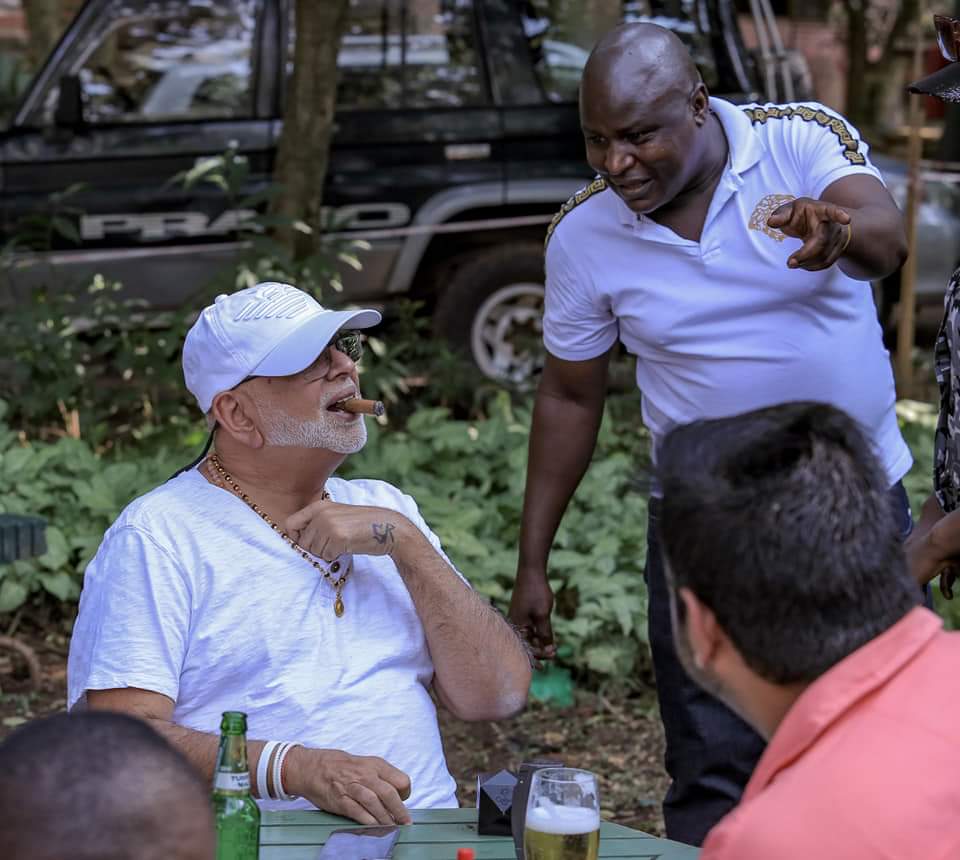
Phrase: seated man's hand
(328, 529)
(365, 788)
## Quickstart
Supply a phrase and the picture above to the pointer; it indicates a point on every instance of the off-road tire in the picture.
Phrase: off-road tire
(482, 275)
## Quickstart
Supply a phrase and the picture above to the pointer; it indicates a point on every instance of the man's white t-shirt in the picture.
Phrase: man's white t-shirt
(722, 326)
(193, 596)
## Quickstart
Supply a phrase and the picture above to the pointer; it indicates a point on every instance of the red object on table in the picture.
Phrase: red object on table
(465, 854)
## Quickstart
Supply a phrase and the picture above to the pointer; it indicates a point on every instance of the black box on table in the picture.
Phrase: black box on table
(495, 802)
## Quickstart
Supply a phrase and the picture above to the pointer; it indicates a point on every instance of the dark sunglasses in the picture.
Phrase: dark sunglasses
(948, 36)
(349, 342)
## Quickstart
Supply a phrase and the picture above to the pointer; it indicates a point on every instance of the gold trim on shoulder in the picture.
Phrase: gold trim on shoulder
(764, 209)
(848, 142)
(594, 187)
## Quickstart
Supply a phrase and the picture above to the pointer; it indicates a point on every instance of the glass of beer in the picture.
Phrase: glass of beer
(563, 816)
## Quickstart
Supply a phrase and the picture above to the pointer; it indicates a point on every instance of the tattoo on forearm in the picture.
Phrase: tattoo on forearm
(383, 533)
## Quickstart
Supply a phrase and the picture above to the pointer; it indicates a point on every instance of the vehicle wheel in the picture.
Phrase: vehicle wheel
(492, 309)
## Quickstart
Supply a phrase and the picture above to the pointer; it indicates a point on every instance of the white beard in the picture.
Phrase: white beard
(284, 431)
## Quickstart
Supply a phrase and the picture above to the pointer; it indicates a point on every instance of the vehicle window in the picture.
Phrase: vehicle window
(409, 54)
(192, 63)
(689, 20)
(560, 37)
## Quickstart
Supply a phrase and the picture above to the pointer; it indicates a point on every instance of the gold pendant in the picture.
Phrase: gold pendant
(338, 606)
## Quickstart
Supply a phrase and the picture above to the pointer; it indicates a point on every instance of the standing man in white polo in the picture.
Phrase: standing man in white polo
(729, 248)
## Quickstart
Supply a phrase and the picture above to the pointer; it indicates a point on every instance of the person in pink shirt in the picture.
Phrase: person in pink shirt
(792, 603)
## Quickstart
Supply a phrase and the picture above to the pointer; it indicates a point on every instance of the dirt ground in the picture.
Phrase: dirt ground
(616, 735)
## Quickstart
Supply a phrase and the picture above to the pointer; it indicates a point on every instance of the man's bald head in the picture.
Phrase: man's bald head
(647, 58)
(644, 113)
(100, 786)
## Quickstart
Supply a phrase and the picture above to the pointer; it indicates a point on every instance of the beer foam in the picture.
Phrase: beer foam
(563, 820)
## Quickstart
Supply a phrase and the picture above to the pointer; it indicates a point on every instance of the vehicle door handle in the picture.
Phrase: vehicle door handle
(466, 151)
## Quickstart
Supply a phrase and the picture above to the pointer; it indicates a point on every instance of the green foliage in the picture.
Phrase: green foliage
(96, 414)
(15, 76)
(918, 421)
(78, 493)
(467, 476)
(405, 366)
(93, 366)
(468, 479)
(265, 258)
(100, 367)
(55, 220)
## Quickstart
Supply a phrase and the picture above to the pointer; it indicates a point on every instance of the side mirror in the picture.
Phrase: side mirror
(69, 110)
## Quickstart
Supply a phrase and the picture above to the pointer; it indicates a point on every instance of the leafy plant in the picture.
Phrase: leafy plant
(78, 493)
(467, 477)
(55, 220)
(89, 362)
(918, 422)
(93, 365)
(15, 77)
(405, 366)
(266, 259)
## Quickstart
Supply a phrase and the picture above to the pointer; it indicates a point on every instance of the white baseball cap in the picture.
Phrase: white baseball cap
(268, 330)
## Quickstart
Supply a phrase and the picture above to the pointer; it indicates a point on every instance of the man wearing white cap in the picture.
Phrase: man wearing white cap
(256, 581)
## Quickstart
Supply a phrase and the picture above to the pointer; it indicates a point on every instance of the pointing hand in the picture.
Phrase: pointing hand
(824, 227)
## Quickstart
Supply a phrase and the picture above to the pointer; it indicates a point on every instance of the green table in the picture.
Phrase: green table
(436, 834)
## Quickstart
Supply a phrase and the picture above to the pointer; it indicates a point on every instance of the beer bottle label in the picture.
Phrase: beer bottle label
(228, 781)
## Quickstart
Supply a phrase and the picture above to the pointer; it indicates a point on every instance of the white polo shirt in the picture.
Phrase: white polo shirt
(722, 326)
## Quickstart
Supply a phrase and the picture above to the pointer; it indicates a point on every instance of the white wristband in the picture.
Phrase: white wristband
(262, 765)
(278, 771)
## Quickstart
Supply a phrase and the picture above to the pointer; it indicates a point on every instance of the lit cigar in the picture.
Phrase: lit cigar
(359, 406)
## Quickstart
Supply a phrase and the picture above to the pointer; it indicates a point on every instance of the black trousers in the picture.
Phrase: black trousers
(710, 751)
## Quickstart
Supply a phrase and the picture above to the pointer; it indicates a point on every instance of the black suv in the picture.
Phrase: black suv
(457, 138)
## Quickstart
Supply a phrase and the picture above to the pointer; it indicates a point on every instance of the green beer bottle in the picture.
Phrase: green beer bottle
(235, 812)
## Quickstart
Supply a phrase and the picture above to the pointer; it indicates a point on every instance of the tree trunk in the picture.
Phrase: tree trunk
(857, 107)
(43, 27)
(889, 75)
(304, 146)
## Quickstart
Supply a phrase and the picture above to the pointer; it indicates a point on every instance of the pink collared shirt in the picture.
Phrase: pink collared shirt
(866, 764)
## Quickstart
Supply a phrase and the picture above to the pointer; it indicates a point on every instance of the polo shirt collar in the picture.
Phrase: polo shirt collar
(746, 147)
(745, 150)
(627, 216)
(840, 689)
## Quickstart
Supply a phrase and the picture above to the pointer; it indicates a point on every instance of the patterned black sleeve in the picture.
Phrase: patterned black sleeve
(946, 465)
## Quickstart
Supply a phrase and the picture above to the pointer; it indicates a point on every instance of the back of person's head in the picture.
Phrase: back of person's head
(100, 786)
(779, 521)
